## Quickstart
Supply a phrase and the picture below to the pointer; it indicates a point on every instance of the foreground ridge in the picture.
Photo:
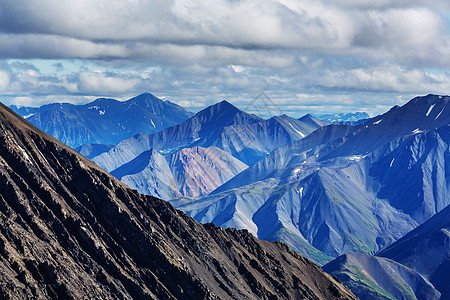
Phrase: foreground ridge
(70, 230)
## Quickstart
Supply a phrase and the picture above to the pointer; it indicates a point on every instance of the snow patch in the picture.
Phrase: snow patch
(101, 112)
(299, 132)
(153, 123)
(439, 113)
(28, 116)
(430, 109)
(300, 192)
(377, 122)
(356, 158)
(25, 154)
(417, 131)
(46, 161)
(392, 162)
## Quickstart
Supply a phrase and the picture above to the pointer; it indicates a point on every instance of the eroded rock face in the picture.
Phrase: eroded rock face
(70, 230)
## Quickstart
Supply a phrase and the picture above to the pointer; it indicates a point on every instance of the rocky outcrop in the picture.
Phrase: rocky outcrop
(70, 230)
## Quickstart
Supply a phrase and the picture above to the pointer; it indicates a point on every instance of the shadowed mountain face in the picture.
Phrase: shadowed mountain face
(372, 277)
(426, 249)
(417, 266)
(104, 121)
(70, 230)
(189, 172)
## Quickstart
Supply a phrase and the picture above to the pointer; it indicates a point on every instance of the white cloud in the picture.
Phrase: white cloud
(4, 80)
(98, 82)
(238, 69)
(203, 51)
(387, 78)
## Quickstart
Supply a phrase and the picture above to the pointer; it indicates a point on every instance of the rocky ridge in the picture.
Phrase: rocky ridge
(70, 230)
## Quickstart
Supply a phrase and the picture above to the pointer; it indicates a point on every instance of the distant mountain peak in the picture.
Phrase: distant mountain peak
(344, 117)
(144, 96)
(105, 121)
(223, 114)
(429, 99)
(224, 104)
(308, 117)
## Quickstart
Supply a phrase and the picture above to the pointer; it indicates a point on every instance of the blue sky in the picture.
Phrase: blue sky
(307, 56)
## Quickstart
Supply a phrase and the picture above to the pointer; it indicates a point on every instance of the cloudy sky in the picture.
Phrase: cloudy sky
(306, 55)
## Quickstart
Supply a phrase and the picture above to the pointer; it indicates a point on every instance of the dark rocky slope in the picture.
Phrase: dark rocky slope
(70, 230)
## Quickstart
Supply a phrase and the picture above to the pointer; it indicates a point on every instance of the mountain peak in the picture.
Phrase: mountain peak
(144, 97)
(307, 117)
(430, 99)
(343, 118)
(224, 104)
(224, 114)
(310, 119)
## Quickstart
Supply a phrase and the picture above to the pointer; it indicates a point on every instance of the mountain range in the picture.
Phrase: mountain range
(230, 131)
(70, 230)
(104, 121)
(337, 192)
(345, 118)
(426, 250)
(342, 188)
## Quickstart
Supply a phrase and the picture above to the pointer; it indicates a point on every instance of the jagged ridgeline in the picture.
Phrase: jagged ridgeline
(70, 230)
(103, 121)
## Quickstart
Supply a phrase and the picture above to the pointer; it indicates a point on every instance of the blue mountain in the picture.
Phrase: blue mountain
(206, 125)
(345, 118)
(373, 277)
(426, 249)
(417, 266)
(223, 126)
(104, 121)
